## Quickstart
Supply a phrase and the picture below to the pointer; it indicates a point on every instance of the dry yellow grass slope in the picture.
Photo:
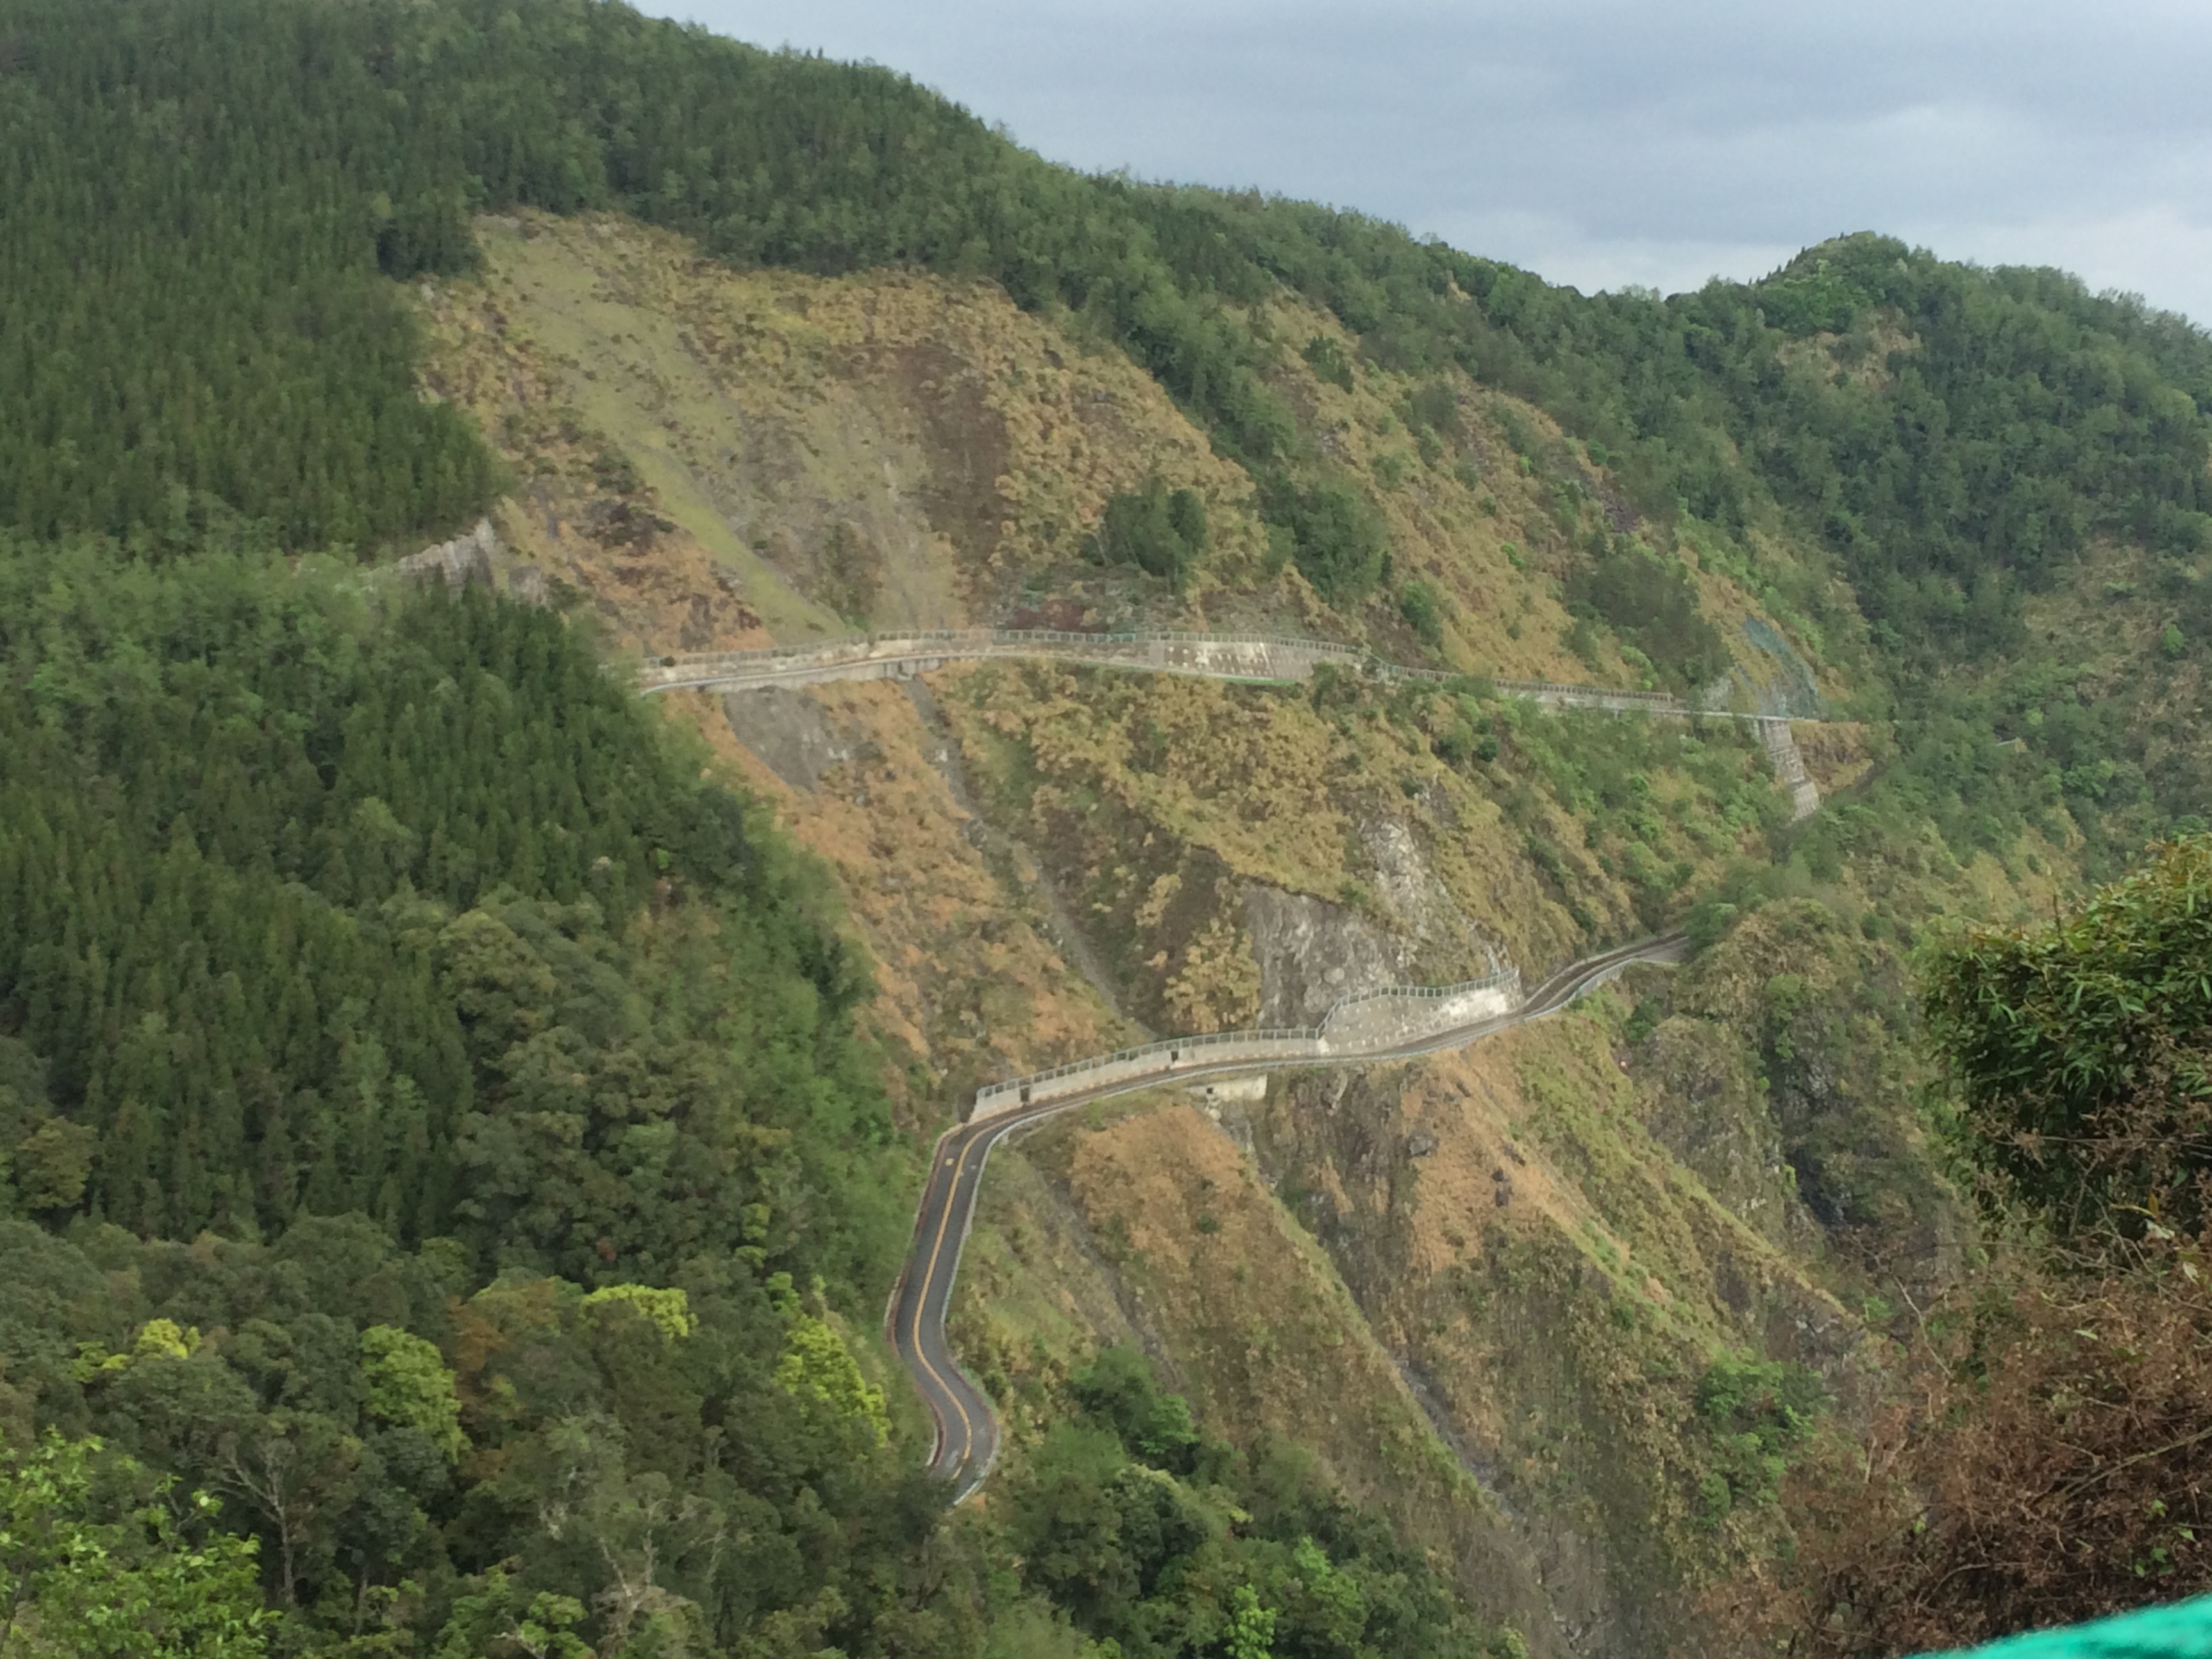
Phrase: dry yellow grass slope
(1456, 826)
(1558, 1281)
(971, 984)
(711, 457)
(1144, 1222)
(885, 449)
(894, 449)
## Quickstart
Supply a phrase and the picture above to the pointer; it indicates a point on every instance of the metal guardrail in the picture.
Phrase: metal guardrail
(1175, 1047)
(862, 643)
(856, 649)
(1490, 981)
(1664, 700)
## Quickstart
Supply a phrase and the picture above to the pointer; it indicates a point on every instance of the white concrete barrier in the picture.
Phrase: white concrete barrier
(1391, 1019)
(1371, 1025)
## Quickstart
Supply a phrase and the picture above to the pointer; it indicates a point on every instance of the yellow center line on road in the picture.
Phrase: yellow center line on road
(1555, 994)
(921, 1301)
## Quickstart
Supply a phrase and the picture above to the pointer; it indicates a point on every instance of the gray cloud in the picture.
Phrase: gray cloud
(1603, 143)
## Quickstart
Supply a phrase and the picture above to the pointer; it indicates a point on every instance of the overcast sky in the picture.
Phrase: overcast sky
(1604, 143)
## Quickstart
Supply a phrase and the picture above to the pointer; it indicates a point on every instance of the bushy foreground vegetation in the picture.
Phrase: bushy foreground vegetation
(2080, 1051)
(2044, 1461)
(694, 1469)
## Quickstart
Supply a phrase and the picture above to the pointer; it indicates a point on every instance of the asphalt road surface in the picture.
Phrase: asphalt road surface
(967, 1427)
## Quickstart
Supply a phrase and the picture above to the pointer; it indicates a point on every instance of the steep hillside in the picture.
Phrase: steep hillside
(1047, 861)
(542, 1073)
(889, 450)
(923, 453)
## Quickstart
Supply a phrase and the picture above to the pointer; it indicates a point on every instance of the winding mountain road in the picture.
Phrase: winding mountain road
(1245, 658)
(967, 1427)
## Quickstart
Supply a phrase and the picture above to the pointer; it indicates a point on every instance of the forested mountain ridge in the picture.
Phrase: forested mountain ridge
(543, 1139)
(1946, 438)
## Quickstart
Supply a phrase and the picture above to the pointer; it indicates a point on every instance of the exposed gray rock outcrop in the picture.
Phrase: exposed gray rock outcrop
(527, 583)
(1313, 954)
(790, 731)
(464, 561)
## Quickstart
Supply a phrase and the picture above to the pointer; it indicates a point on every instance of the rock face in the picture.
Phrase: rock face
(527, 583)
(790, 731)
(1710, 1111)
(1313, 954)
(464, 562)
(1408, 885)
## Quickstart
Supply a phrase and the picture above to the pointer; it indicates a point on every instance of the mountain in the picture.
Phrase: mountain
(466, 1117)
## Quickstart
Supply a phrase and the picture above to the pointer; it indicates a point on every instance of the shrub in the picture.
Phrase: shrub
(1435, 406)
(1328, 360)
(1118, 1389)
(1162, 531)
(1422, 610)
(1756, 1413)
(1652, 604)
(1337, 538)
(2081, 1050)
(2051, 1464)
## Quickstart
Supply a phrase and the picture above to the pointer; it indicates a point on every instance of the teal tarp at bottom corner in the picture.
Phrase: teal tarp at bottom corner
(2183, 1631)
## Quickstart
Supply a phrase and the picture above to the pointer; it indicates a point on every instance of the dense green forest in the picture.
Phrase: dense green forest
(310, 908)
(432, 1122)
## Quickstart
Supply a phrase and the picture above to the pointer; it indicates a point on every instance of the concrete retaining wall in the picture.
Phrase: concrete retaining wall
(1789, 768)
(1257, 657)
(1372, 1024)
(1391, 1019)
